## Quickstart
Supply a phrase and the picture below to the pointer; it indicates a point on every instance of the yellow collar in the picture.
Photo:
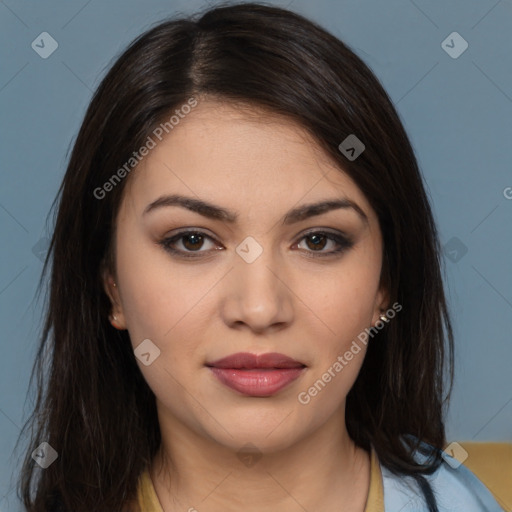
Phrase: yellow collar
(375, 502)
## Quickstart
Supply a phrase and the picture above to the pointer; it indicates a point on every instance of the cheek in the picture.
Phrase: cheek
(151, 298)
(159, 307)
(345, 299)
(164, 302)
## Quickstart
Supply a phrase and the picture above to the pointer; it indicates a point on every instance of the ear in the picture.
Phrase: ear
(116, 317)
(381, 304)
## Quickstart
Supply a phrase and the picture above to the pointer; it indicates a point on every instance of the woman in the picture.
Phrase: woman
(246, 303)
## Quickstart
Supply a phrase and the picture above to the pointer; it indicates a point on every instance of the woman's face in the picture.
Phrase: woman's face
(255, 284)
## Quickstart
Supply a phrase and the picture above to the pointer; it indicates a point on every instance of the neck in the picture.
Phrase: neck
(322, 471)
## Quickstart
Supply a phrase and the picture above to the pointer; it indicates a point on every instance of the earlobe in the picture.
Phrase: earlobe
(114, 321)
(381, 306)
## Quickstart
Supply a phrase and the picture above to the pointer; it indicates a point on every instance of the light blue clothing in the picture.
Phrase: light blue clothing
(456, 489)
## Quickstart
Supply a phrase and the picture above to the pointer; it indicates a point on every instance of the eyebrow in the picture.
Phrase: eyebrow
(215, 212)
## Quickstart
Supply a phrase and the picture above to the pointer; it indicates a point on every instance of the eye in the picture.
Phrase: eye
(191, 241)
(316, 241)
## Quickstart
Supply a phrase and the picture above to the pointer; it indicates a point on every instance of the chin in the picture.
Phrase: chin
(267, 432)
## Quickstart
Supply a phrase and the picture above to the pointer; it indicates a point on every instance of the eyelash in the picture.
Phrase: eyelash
(344, 244)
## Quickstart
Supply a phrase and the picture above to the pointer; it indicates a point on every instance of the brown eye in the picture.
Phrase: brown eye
(317, 241)
(191, 243)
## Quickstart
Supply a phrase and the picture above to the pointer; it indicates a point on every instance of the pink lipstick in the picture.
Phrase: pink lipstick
(256, 375)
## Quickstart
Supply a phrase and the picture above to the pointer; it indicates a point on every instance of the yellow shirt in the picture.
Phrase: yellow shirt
(490, 462)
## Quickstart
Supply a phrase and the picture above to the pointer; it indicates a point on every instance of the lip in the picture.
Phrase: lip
(245, 360)
(257, 375)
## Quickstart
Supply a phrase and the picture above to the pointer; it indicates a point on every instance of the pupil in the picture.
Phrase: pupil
(315, 243)
(194, 244)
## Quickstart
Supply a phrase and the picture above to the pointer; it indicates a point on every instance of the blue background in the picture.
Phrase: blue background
(458, 113)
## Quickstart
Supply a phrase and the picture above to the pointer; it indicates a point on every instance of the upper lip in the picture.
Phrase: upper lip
(250, 361)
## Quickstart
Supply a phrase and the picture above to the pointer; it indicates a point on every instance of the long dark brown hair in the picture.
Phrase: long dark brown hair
(93, 405)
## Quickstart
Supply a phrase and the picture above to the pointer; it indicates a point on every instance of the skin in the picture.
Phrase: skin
(287, 300)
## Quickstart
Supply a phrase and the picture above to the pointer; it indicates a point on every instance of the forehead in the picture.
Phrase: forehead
(240, 156)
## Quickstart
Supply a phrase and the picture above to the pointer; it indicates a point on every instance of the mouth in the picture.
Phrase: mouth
(257, 375)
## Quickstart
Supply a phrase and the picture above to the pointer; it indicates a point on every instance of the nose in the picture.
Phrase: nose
(257, 296)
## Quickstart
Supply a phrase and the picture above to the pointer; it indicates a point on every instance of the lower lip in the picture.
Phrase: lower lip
(257, 382)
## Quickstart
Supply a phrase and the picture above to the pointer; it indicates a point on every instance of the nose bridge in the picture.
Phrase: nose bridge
(258, 284)
(256, 294)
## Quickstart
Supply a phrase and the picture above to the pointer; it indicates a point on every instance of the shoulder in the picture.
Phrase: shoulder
(472, 477)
